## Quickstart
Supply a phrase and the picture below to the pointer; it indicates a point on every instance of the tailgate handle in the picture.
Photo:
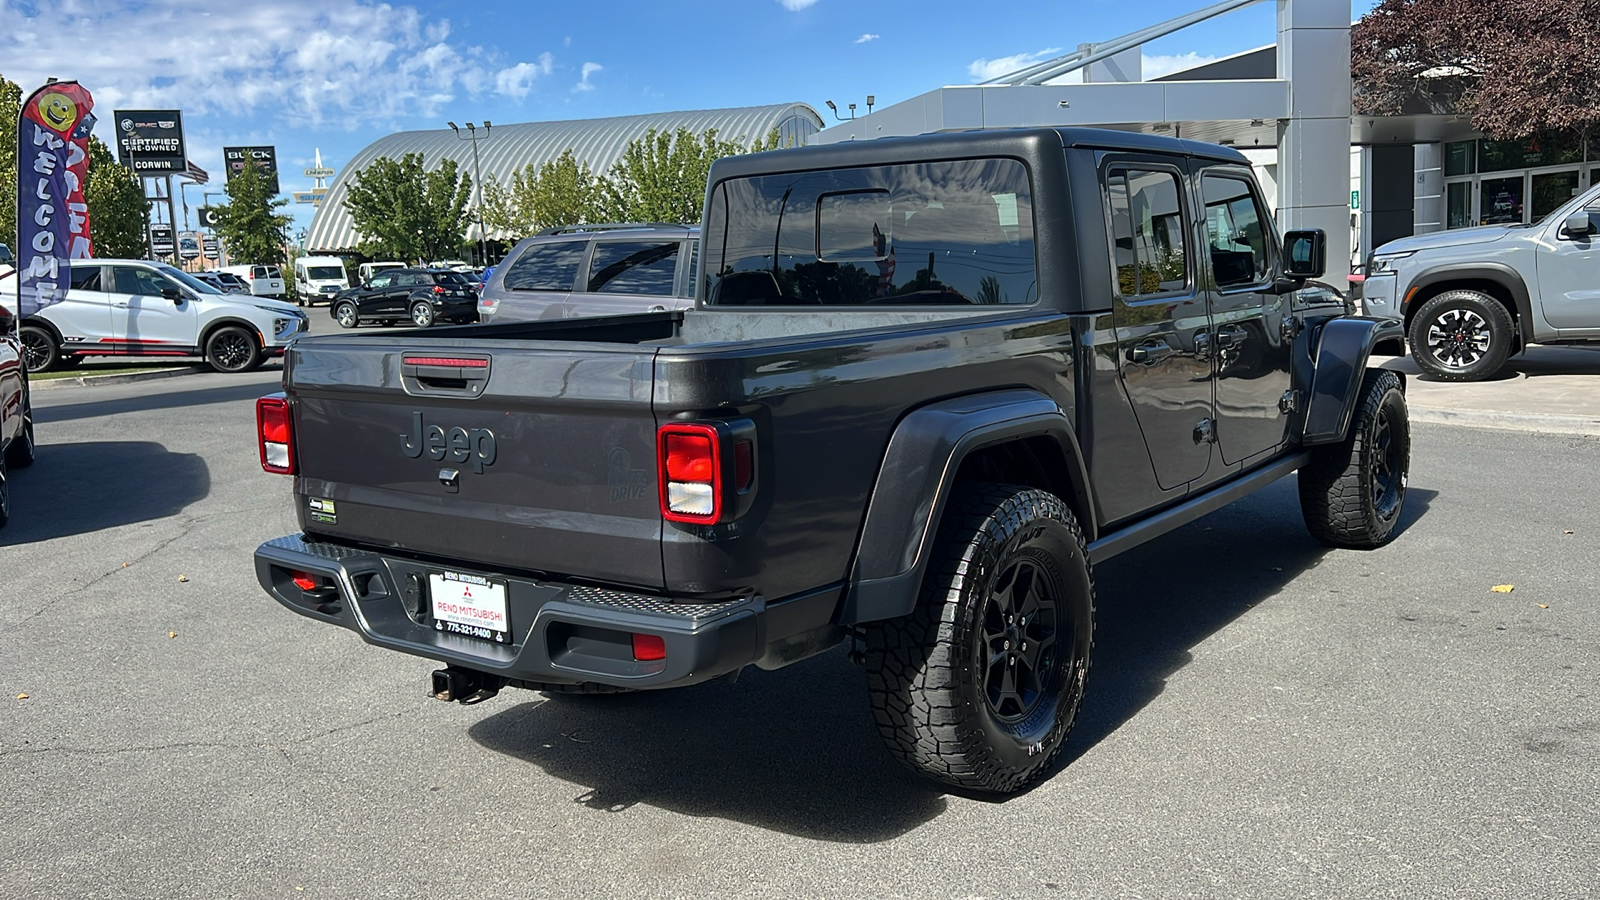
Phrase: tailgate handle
(444, 375)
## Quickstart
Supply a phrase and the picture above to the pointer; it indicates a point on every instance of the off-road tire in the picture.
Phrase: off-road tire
(1462, 336)
(346, 315)
(5, 493)
(421, 314)
(20, 454)
(1351, 492)
(40, 351)
(934, 676)
(232, 349)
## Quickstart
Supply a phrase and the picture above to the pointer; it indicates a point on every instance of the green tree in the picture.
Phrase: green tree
(405, 211)
(118, 210)
(247, 224)
(562, 191)
(10, 108)
(661, 177)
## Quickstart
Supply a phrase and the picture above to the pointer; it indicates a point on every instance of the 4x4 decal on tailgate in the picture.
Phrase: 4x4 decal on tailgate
(458, 444)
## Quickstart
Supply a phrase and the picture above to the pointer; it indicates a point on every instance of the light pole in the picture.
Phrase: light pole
(477, 174)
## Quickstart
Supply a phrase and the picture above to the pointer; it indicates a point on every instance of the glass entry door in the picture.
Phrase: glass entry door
(1500, 201)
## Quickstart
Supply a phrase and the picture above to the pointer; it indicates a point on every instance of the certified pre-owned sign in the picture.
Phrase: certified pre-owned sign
(150, 141)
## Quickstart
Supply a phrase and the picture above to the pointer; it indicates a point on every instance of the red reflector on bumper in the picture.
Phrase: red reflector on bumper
(648, 647)
(306, 581)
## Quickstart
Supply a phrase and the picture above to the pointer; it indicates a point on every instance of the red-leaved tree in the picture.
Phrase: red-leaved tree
(1519, 66)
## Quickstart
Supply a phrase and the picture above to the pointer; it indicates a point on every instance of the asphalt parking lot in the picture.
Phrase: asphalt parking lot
(1266, 717)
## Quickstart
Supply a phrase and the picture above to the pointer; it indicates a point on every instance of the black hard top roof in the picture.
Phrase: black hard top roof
(1018, 142)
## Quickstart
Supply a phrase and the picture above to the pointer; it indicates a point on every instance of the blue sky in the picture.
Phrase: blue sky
(338, 74)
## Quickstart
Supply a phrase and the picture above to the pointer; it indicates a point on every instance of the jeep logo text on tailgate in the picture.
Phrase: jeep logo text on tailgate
(458, 444)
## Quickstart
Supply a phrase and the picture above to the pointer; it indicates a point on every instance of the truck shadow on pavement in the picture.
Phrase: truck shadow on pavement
(92, 409)
(1148, 618)
(796, 750)
(85, 487)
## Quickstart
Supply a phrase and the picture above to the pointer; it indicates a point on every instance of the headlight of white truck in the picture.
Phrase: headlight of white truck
(1383, 263)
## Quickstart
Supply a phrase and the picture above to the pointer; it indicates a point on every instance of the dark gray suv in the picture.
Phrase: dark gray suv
(594, 270)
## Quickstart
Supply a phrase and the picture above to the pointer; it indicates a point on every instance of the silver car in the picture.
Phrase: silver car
(594, 270)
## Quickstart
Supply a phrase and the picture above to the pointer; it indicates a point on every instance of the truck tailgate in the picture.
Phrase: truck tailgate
(530, 455)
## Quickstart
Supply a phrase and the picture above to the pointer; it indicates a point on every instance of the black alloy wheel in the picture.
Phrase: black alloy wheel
(232, 349)
(1461, 336)
(422, 313)
(979, 685)
(40, 353)
(1352, 492)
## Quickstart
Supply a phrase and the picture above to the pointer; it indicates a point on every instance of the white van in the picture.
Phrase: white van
(318, 278)
(263, 281)
(135, 307)
(370, 269)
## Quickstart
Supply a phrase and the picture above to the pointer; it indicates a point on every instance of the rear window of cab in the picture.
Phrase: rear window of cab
(956, 232)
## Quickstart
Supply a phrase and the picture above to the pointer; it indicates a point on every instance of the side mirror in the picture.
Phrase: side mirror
(1305, 253)
(1578, 225)
(173, 294)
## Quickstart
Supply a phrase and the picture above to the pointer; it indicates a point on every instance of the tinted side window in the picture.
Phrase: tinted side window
(86, 278)
(382, 281)
(634, 267)
(546, 267)
(1234, 229)
(694, 266)
(130, 280)
(954, 232)
(1149, 239)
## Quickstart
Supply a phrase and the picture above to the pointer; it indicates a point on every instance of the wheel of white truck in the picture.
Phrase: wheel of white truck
(232, 349)
(1461, 336)
(979, 686)
(1351, 492)
(40, 352)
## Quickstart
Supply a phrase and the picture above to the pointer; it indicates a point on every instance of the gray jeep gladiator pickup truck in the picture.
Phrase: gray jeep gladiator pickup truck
(926, 384)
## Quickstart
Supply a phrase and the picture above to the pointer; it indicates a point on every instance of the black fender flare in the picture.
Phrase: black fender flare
(919, 469)
(247, 325)
(1499, 273)
(1339, 362)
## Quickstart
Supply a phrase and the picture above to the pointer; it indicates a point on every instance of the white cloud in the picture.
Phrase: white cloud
(343, 63)
(589, 68)
(866, 37)
(1156, 66)
(985, 69)
(796, 5)
(516, 81)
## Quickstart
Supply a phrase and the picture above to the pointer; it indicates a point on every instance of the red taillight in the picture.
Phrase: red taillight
(438, 289)
(275, 430)
(689, 466)
(649, 647)
(306, 581)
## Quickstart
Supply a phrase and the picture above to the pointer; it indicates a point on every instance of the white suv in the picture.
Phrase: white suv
(134, 307)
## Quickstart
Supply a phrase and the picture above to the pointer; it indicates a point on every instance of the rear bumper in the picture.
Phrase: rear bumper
(560, 633)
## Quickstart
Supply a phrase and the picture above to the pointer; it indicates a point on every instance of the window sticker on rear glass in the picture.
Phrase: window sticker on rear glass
(323, 511)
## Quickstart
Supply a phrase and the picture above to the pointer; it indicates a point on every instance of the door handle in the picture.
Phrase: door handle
(1149, 352)
(120, 305)
(1231, 336)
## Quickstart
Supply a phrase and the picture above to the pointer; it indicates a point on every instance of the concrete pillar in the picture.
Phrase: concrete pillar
(1428, 161)
(1314, 141)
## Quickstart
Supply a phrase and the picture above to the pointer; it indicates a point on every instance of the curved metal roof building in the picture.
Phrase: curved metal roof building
(598, 142)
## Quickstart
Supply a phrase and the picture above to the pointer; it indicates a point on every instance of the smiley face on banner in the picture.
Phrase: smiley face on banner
(59, 107)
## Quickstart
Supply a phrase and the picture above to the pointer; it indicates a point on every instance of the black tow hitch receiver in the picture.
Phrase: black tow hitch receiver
(465, 685)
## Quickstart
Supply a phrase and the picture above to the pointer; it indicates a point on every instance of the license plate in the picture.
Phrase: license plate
(469, 604)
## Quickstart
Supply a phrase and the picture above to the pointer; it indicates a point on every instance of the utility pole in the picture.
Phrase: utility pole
(477, 185)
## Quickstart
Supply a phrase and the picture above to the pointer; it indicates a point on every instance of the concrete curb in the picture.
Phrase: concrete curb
(1501, 421)
(121, 378)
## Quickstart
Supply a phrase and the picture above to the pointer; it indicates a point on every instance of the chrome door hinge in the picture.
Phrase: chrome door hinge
(1205, 431)
(1289, 402)
(1292, 326)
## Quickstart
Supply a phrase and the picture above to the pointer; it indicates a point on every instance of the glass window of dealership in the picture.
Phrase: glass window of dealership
(1502, 182)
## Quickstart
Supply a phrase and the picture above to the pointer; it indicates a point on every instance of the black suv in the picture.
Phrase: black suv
(424, 296)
